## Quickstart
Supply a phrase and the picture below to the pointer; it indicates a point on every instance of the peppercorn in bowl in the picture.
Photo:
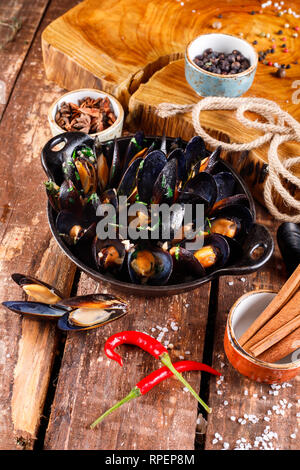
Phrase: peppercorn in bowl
(87, 110)
(220, 65)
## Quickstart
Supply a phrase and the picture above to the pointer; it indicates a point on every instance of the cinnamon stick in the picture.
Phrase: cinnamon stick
(283, 348)
(286, 314)
(283, 296)
(275, 337)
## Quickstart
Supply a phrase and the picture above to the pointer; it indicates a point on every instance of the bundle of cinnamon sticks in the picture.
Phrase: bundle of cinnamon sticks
(276, 332)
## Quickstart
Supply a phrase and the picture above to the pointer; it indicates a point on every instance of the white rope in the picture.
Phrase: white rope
(280, 127)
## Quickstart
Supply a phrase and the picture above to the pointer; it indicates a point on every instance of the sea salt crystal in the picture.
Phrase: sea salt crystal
(219, 392)
(233, 418)
(293, 436)
(215, 441)
(226, 445)
(230, 283)
(246, 392)
(225, 403)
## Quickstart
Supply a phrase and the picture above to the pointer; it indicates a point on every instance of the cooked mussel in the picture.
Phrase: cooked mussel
(108, 254)
(149, 265)
(214, 253)
(185, 265)
(39, 290)
(234, 221)
(91, 311)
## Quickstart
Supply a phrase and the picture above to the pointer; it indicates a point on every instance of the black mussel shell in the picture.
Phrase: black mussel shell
(185, 265)
(109, 255)
(40, 290)
(179, 155)
(91, 311)
(36, 309)
(239, 214)
(136, 144)
(212, 160)
(128, 181)
(87, 174)
(164, 186)
(149, 265)
(240, 199)
(194, 152)
(201, 187)
(288, 239)
(221, 251)
(115, 173)
(69, 198)
(172, 226)
(225, 184)
(148, 173)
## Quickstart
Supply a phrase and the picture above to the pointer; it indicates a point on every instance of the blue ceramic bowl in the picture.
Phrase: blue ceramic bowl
(211, 84)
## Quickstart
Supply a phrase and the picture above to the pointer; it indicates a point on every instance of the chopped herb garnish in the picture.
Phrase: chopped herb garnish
(163, 181)
(177, 251)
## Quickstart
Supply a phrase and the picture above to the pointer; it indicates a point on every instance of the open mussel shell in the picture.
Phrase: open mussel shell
(149, 265)
(214, 253)
(226, 183)
(234, 221)
(185, 265)
(91, 311)
(128, 181)
(108, 254)
(35, 309)
(39, 290)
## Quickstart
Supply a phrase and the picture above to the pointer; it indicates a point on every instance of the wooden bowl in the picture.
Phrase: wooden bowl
(115, 130)
(242, 314)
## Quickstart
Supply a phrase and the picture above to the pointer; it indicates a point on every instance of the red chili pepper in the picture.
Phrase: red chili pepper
(144, 341)
(152, 346)
(153, 379)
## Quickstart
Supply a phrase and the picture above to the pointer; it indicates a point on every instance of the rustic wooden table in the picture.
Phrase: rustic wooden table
(53, 387)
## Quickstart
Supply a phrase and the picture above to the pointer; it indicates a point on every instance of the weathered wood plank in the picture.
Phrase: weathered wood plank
(27, 346)
(89, 383)
(243, 395)
(13, 53)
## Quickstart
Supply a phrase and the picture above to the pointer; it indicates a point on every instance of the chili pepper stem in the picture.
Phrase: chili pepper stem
(134, 393)
(166, 360)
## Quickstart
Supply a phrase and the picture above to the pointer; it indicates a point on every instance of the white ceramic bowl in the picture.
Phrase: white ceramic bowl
(115, 130)
(211, 84)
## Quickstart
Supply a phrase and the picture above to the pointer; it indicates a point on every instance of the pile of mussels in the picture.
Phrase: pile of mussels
(183, 174)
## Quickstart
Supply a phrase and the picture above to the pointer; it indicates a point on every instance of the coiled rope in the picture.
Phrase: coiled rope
(280, 127)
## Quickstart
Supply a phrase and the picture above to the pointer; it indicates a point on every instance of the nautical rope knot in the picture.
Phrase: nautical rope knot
(279, 127)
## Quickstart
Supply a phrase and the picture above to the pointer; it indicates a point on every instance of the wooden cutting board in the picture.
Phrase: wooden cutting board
(118, 45)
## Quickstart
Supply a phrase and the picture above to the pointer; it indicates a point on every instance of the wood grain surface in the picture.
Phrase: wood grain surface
(243, 396)
(87, 382)
(27, 347)
(165, 418)
(169, 85)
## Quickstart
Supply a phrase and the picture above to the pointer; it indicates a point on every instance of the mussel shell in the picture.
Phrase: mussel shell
(179, 155)
(69, 197)
(116, 167)
(223, 249)
(47, 294)
(194, 152)
(65, 221)
(240, 199)
(213, 160)
(35, 309)
(162, 270)
(288, 239)
(185, 265)
(236, 212)
(100, 246)
(128, 181)
(225, 184)
(99, 308)
(136, 144)
(93, 301)
(165, 184)
(87, 174)
(148, 173)
(202, 188)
